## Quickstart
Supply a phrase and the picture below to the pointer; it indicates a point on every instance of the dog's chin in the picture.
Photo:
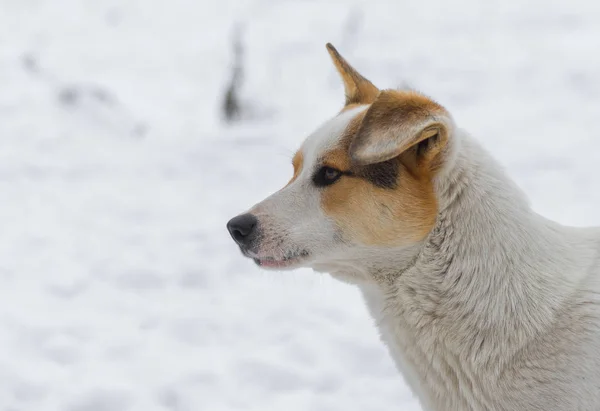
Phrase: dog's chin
(278, 265)
(290, 261)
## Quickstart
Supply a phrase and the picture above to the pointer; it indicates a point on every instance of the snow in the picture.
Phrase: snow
(120, 288)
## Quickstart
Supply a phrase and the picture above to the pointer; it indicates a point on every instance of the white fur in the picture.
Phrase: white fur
(497, 309)
(326, 138)
(500, 309)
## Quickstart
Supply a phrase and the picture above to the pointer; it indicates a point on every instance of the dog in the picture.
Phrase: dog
(482, 303)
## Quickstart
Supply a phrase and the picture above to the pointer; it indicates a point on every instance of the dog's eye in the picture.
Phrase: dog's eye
(326, 176)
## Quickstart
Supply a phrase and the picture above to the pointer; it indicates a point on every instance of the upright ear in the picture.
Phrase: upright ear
(402, 121)
(358, 89)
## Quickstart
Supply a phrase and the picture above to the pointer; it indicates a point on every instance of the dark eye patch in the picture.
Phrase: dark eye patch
(384, 175)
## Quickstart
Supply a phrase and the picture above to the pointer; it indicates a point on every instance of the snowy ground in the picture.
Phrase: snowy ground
(119, 286)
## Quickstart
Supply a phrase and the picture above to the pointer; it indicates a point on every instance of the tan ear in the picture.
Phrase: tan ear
(358, 89)
(399, 121)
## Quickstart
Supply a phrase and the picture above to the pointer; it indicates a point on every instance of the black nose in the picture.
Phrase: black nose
(243, 228)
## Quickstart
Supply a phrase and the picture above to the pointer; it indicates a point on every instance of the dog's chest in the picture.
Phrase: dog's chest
(430, 369)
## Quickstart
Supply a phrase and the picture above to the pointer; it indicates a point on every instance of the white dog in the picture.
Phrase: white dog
(484, 304)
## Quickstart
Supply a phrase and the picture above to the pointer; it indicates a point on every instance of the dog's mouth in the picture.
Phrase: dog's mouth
(289, 260)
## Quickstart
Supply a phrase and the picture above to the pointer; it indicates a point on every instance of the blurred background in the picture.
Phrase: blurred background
(131, 131)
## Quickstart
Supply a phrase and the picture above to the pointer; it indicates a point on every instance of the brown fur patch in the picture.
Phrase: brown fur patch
(298, 163)
(396, 121)
(372, 215)
(388, 203)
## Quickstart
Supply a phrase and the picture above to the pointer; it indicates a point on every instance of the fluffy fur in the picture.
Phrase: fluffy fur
(498, 308)
(493, 307)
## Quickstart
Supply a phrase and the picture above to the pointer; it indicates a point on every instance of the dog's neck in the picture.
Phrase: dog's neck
(490, 262)
(487, 280)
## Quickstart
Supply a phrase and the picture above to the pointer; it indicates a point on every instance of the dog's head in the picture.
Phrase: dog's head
(362, 183)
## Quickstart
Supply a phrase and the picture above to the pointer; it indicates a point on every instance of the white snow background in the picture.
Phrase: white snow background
(120, 289)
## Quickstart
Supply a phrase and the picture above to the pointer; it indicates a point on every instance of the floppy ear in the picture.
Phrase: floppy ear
(398, 122)
(358, 89)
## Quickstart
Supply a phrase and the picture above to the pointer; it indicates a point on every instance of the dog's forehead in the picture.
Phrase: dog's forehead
(328, 136)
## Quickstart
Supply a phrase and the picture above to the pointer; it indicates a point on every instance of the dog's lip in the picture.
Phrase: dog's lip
(272, 263)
